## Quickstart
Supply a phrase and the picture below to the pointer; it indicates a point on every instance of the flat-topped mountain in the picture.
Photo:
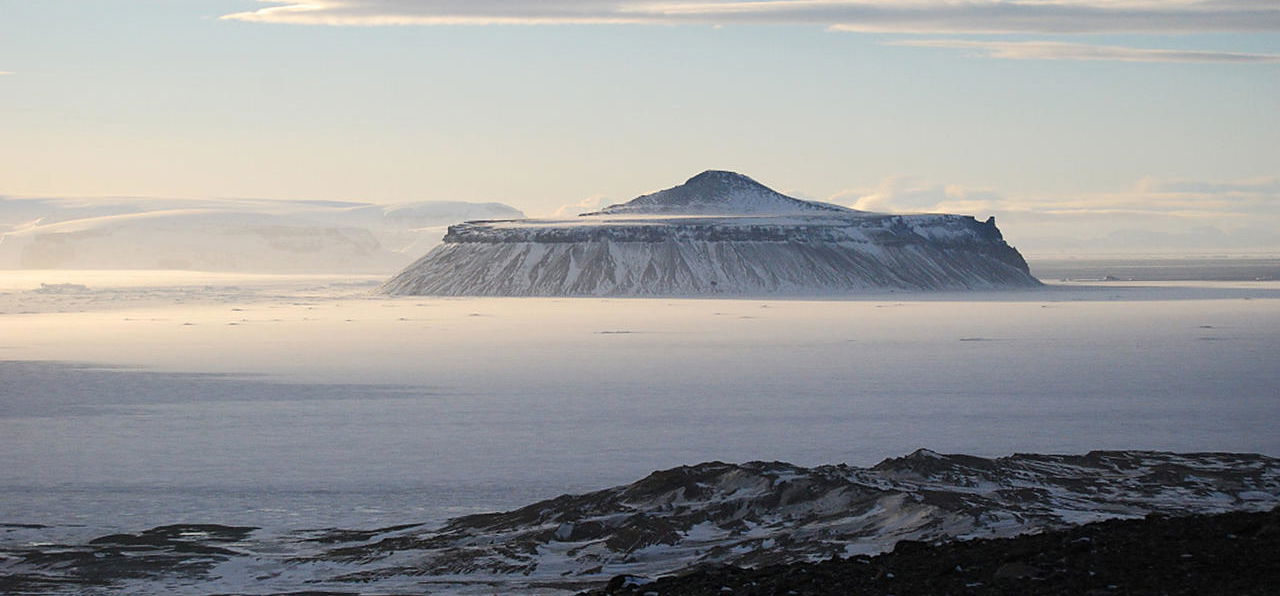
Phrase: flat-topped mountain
(720, 233)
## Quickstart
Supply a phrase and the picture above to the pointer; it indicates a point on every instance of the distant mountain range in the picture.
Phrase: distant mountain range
(248, 235)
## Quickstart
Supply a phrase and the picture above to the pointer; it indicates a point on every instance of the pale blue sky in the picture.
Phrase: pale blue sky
(165, 98)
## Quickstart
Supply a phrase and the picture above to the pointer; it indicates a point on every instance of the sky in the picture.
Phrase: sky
(1124, 125)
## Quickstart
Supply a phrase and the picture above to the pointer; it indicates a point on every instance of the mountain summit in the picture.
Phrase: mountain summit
(718, 192)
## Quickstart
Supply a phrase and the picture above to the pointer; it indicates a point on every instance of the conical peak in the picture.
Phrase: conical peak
(717, 192)
(721, 177)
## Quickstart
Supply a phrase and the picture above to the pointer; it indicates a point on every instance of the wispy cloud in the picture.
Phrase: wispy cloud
(5, 72)
(1151, 215)
(1149, 196)
(880, 16)
(1049, 50)
(591, 203)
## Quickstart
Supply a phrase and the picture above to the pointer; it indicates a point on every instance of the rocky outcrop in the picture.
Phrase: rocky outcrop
(712, 514)
(763, 513)
(1229, 554)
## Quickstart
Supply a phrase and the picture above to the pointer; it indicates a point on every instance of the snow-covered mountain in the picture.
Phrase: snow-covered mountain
(720, 233)
(251, 235)
(717, 192)
(750, 514)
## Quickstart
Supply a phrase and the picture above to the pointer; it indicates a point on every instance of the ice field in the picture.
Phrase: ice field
(133, 399)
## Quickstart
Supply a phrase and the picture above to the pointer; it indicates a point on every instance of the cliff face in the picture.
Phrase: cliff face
(719, 234)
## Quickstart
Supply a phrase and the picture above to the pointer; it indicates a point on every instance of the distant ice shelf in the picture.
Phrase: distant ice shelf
(228, 235)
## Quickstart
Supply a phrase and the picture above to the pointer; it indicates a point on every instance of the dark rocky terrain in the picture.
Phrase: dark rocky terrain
(775, 517)
(187, 550)
(763, 513)
(1234, 553)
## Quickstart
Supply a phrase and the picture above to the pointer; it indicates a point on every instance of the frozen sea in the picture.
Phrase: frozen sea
(134, 399)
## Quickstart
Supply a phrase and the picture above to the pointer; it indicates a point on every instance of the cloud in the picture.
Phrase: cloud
(1152, 215)
(911, 195)
(5, 72)
(1235, 188)
(438, 12)
(591, 203)
(877, 16)
(1183, 199)
(1048, 50)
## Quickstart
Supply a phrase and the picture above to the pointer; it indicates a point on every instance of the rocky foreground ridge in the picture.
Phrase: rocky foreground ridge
(1228, 554)
(719, 233)
(713, 514)
(764, 513)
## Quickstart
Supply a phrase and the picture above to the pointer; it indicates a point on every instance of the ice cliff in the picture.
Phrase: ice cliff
(719, 233)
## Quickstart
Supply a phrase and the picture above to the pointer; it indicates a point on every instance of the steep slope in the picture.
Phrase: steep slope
(718, 234)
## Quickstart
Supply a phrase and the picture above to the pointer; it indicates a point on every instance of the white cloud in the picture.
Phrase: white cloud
(591, 203)
(5, 72)
(911, 195)
(1250, 187)
(880, 16)
(1149, 196)
(1048, 50)
(1155, 214)
(928, 17)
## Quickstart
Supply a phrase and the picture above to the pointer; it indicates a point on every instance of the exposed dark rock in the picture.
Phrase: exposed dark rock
(703, 517)
(1225, 554)
(763, 513)
(189, 550)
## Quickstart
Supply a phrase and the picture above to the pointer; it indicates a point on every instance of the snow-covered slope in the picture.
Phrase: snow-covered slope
(718, 234)
(751, 514)
(764, 513)
(249, 235)
(717, 192)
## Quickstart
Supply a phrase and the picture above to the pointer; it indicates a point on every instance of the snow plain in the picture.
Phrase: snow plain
(130, 400)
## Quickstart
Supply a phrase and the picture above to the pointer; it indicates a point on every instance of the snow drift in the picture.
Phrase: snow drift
(720, 233)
